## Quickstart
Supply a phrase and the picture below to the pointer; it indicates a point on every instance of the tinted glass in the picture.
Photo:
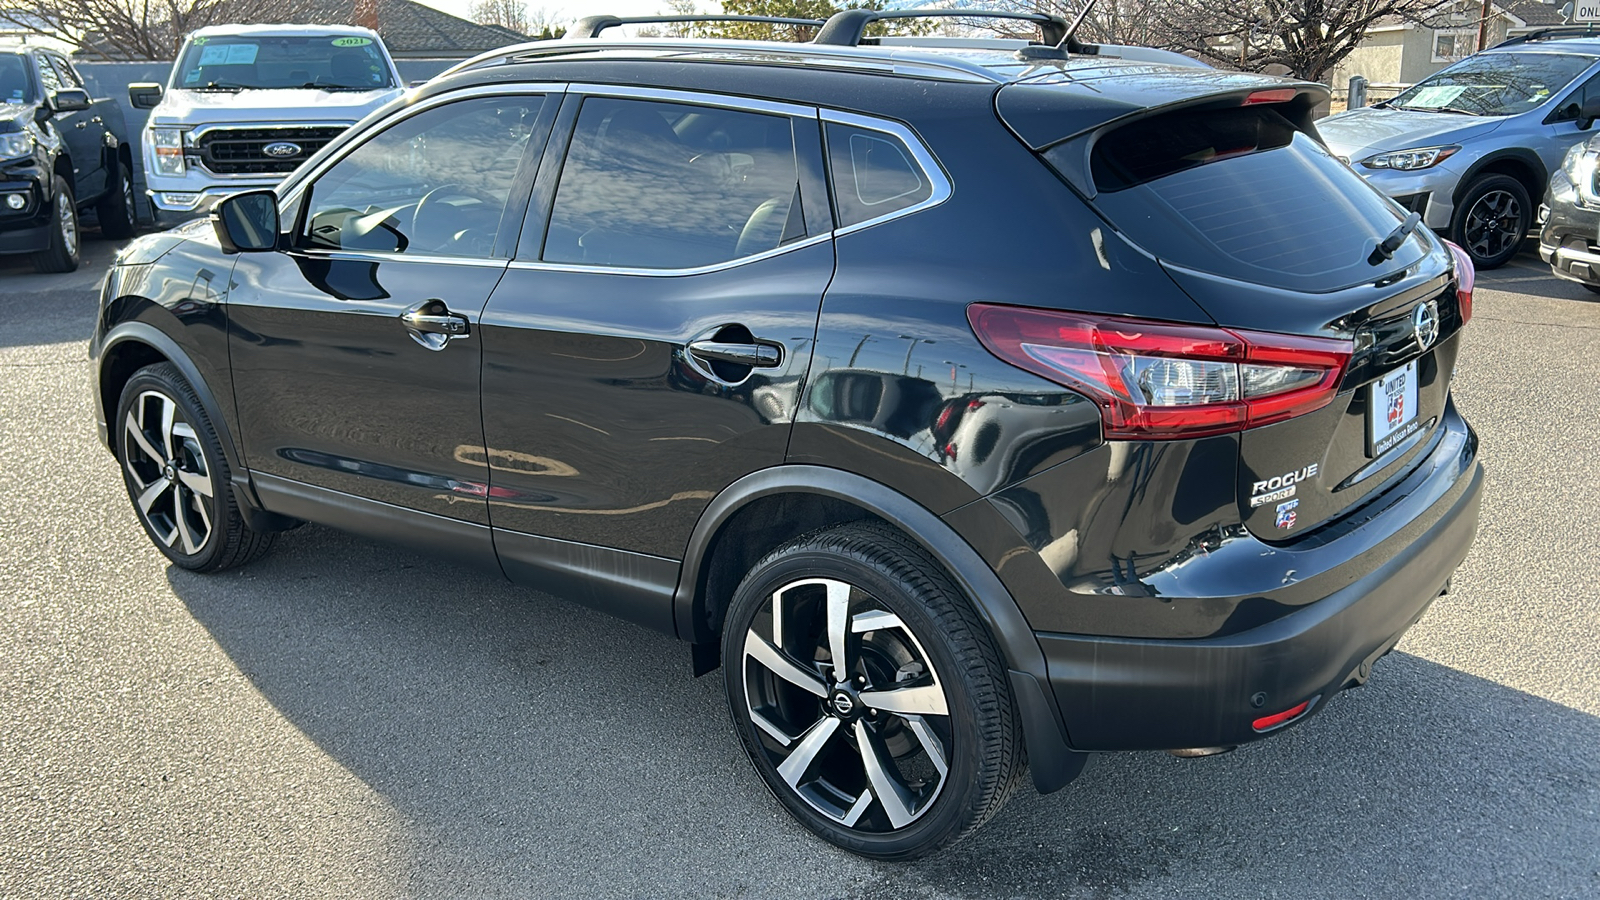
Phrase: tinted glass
(48, 76)
(437, 183)
(69, 77)
(1241, 193)
(13, 79)
(668, 186)
(874, 174)
(1495, 84)
(335, 62)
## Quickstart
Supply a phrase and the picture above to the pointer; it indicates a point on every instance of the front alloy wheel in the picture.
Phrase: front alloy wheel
(167, 472)
(176, 475)
(868, 695)
(1491, 220)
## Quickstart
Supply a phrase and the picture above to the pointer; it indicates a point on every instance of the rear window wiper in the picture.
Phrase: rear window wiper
(1387, 246)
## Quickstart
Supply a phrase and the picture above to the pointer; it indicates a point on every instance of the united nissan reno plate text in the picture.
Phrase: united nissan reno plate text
(966, 405)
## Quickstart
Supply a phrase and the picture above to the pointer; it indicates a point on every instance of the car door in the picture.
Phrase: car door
(356, 350)
(83, 130)
(647, 346)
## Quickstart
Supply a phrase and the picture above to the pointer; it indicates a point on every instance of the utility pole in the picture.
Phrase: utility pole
(1483, 26)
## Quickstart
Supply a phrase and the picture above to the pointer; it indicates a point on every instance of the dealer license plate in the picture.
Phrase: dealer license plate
(1392, 409)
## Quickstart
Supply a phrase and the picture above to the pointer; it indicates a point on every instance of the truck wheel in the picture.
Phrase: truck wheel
(1491, 220)
(62, 253)
(116, 209)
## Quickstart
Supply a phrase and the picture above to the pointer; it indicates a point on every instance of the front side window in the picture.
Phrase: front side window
(1495, 84)
(874, 174)
(437, 183)
(66, 74)
(334, 62)
(656, 185)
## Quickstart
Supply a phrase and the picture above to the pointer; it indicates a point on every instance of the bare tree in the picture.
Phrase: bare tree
(1305, 38)
(137, 29)
(512, 14)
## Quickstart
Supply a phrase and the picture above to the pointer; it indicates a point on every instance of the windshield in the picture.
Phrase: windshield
(334, 62)
(13, 79)
(1495, 84)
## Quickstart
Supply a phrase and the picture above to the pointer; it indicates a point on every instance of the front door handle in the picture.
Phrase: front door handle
(761, 356)
(432, 324)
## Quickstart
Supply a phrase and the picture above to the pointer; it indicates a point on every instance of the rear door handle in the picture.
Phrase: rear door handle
(761, 356)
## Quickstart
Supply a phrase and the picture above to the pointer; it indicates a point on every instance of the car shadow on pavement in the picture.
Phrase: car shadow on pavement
(541, 749)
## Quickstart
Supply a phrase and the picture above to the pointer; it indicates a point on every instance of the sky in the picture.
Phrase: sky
(567, 11)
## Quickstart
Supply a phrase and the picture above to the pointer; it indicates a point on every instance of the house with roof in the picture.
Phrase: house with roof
(1399, 52)
(409, 29)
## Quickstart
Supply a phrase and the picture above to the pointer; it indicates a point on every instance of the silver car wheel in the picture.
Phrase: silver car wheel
(168, 471)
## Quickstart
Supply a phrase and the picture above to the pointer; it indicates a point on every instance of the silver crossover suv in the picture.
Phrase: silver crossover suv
(1472, 147)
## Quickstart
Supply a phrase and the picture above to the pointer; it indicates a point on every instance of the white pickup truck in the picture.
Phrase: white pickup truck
(247, 104)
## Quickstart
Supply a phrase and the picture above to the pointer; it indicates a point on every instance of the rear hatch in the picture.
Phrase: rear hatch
(1228, 186)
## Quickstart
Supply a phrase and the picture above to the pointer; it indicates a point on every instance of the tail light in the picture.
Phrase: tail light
(1466, 279)
(1160, 381)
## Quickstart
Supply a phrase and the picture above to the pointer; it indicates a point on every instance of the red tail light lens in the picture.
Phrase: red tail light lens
(1267, 723)
(1276, 95)
(1466, 280)
(1161, 381)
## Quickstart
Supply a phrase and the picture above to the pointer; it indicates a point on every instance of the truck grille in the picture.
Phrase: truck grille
(242, 151)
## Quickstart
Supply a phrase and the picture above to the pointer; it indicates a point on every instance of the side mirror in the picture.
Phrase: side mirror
(144, 95)
(68, 100)
(247, 223)
(1588, 112)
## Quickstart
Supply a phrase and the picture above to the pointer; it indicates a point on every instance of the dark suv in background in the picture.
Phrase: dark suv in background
(60, 152)
(973, 407)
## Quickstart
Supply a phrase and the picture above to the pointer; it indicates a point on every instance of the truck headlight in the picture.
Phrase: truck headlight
(1409, 160)
(167, 144)
(15, 144)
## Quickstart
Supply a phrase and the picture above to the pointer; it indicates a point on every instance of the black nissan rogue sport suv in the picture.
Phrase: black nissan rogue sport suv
(973, 407)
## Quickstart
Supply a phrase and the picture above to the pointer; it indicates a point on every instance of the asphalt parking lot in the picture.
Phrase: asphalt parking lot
(348, 720)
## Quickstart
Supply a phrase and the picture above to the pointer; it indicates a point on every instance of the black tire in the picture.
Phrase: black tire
(1491, 220)
(62, 253)
(116, 210)
(170, 461)
(912, 642)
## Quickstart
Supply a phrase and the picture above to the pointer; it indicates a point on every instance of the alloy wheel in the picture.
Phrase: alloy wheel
(848, 706)
(1493, 224)
(168, 471)
(67, 218)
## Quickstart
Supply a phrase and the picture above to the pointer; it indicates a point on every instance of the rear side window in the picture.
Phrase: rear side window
(1243, 194)
(874, 174)
(658, 185)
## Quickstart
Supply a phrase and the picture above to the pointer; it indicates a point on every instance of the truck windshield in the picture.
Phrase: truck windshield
(1494, 84)
(332, 61)
(13, 79)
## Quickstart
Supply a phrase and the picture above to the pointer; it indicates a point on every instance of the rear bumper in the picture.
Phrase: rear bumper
(1140, 694)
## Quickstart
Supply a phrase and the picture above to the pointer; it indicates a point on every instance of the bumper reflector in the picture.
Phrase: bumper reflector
(1267, 723)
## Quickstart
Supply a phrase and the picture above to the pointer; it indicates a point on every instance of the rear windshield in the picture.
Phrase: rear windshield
(1243, 194)
(335, 62)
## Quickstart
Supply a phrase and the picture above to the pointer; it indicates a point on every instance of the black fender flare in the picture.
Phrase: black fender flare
(1051, 758)
(238, 476)
(1518, 154)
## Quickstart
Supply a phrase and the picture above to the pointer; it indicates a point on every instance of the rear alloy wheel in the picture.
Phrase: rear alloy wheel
(1491, 220)
(176, 476)
(61, 254)
(868, 695)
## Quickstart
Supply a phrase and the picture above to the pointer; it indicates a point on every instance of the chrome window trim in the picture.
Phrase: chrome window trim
(379, 257)
(940, 181)
(532, 265)
(694, 98)
(288, 201)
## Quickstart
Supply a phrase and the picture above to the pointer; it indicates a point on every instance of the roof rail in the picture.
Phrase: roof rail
(846, 28)
(1553, 33)
(591, 26)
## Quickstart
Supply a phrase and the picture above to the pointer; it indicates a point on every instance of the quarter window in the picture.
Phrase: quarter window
(657, 185)
(437, 183)
(874, 174)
